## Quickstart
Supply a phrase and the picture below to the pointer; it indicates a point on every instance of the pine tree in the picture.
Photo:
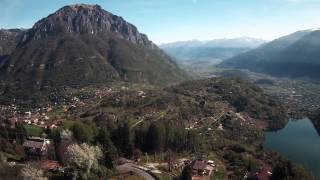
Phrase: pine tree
(155, 138)
(186, 173)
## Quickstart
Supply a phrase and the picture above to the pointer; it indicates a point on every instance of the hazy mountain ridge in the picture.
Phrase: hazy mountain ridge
(212, 50)
(295, 55)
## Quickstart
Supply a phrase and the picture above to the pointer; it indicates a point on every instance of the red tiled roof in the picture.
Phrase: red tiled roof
(200, 178)
(50, 165)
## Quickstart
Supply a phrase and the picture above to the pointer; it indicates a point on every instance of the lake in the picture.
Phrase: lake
(299, 142)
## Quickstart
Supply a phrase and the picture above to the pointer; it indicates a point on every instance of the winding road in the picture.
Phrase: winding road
(129, 167)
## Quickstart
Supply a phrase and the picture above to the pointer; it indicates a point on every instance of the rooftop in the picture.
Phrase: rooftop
(199, 165)
(33, 144)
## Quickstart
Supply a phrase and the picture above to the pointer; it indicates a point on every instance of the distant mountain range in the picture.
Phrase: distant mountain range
(296, 55)
(80, 45)
(212, 51)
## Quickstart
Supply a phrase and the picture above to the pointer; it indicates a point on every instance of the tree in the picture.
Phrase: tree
(171, 158)
(122, 138)
(9, 172)
(83, 157)
(56, 135)
(186, 173)
(108, 147)
(4, 132)
(140, 138)
(155, 138)
(21, 133)
(81, 132)
(283, 170)
(32, 173)
(104, 139)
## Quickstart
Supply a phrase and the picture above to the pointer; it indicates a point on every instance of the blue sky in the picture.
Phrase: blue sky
(177, 20)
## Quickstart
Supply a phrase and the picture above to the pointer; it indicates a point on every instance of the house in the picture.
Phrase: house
(201, 169)
(13, 121)
(38, 148)
(34, 120)
(198, 167)
(260, 175)
(51, 125)
(49, 109)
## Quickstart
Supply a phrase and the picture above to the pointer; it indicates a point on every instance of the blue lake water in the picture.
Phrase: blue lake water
(299, 142)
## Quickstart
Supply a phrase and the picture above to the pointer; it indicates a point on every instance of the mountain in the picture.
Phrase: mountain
(9, 39)
(296, 55)
(81, 45)
(212, 51)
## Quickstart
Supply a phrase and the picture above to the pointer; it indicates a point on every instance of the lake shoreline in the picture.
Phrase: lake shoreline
(298, 141)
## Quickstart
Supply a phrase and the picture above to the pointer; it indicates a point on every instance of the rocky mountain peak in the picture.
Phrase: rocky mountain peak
(85, 6)
(81, 45)
(85, 19)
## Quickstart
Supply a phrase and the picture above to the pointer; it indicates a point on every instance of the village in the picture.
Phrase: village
(35, 130)
(40, 150)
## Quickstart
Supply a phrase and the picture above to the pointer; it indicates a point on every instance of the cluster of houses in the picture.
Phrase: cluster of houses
(44, 153)
(37, 148)
(37, 119)
(201, 169)
(100, 93)
(39, 151)
(204, 170)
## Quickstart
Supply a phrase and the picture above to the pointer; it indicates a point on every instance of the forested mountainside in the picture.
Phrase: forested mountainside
(295, 55)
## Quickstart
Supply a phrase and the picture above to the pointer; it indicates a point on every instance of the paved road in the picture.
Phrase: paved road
(126, 168)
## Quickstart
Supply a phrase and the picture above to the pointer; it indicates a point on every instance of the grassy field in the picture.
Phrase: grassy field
(33, 130)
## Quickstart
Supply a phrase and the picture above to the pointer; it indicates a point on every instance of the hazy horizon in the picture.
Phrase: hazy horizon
(184, 20)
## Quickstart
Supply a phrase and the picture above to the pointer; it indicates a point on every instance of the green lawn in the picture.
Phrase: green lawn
(33, 130)
(67, 124)
(220, 174)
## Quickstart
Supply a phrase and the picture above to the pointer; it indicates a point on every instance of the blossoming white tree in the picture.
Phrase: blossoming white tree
(83, 157)
(32, 173)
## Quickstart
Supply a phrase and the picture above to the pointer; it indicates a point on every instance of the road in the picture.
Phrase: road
(137, 123)
(126, 168)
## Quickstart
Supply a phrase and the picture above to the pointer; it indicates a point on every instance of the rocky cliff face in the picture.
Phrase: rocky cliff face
(81, 45)
(9, 39)
(85, 19)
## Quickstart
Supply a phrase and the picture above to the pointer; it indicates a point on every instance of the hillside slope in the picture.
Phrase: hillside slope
(296, 55)
(9, 38)
(81, 45)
